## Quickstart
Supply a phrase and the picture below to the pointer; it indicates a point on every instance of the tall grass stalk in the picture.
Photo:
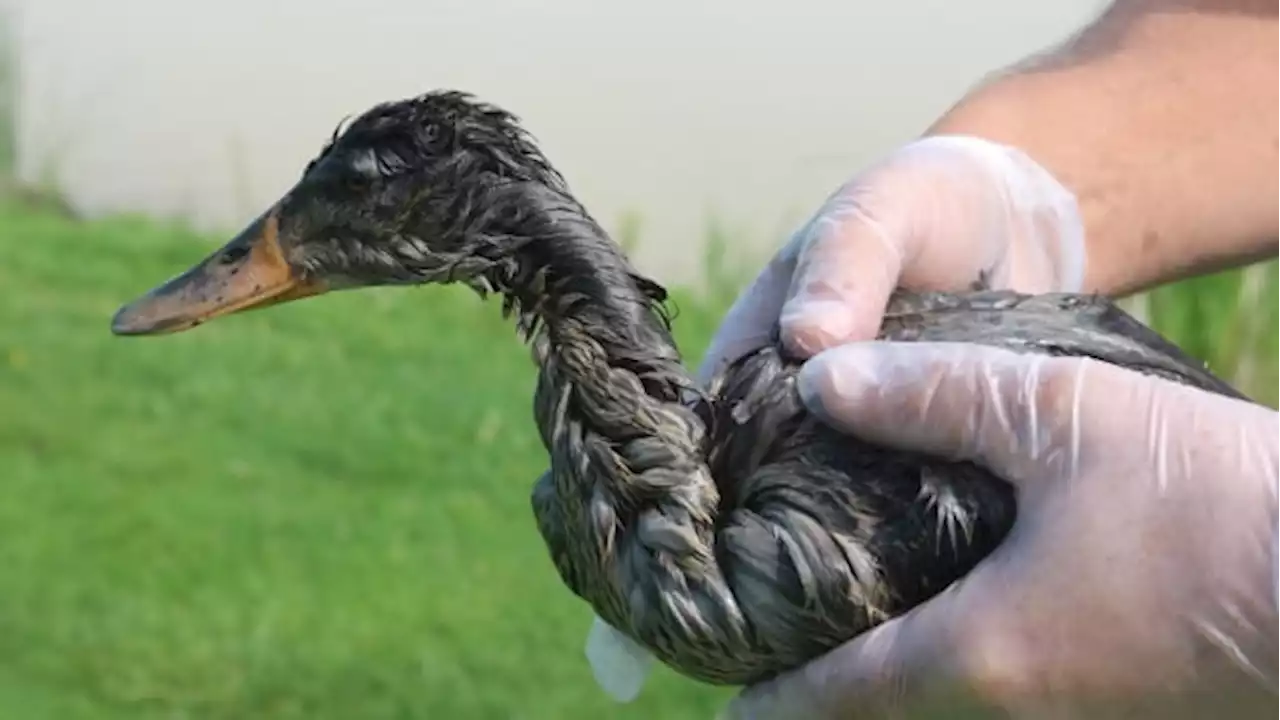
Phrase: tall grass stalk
(1228, 319)
(9, 67)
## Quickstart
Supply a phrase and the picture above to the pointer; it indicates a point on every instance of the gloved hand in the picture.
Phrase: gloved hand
(1138, 580)
(941, 213)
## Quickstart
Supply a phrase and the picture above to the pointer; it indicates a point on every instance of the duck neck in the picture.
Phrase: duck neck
(586, 310)
(629, 478)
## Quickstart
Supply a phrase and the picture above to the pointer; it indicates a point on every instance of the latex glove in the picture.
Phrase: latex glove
(940, 213)
(1138, 580)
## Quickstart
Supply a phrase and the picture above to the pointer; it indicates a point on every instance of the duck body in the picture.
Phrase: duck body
(723, 528)
(819, 536)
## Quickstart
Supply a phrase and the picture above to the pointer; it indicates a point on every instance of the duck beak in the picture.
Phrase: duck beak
(247, 273)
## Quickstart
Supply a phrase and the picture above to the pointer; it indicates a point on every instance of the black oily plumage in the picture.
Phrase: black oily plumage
(723, 528)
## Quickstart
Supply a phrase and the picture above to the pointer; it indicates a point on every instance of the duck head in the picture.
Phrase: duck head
(436, 188)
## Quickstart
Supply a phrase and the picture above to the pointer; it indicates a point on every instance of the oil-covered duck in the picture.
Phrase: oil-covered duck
(722, 527)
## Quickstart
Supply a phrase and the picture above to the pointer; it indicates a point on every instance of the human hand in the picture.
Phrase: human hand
(942, 213)
(1138, 579)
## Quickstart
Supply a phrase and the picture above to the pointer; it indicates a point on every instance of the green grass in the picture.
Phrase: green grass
(315, 512)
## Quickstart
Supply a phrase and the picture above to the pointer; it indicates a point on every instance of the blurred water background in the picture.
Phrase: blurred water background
(672, 114)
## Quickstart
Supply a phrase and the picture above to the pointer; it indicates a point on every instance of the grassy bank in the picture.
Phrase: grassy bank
(316, 512)
(319, 512)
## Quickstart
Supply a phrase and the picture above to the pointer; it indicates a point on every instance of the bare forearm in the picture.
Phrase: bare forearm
(1162, 118)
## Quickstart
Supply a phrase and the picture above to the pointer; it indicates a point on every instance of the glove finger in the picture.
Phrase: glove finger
(1015, 414)
(847, 267)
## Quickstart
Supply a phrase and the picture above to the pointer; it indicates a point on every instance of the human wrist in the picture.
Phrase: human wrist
(1169, 163)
